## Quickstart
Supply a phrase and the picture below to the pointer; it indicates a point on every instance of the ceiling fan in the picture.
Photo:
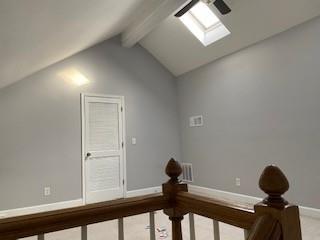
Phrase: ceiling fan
(219, 4)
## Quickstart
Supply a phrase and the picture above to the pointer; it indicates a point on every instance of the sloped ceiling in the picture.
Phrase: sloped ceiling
(249, 22)
(37, 33)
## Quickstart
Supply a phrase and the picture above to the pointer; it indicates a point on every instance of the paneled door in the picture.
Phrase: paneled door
(103, 148)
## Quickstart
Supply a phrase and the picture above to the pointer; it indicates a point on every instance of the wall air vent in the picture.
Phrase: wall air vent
(187, 172)
(196, 121)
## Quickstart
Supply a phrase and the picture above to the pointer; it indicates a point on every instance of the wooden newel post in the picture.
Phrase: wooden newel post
(274, 183)
(170, 190)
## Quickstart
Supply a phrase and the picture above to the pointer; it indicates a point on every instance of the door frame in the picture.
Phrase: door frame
(83, 128)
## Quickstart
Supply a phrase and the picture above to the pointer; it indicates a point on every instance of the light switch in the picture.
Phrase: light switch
(134, 141)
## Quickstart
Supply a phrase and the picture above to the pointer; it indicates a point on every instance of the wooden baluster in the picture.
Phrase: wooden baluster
(152, 226)
(274, 183)
(84, 233)
(216, 230)
(41, 237)
(176, 228)
(120, 229)
(191, 226)
(170, 189)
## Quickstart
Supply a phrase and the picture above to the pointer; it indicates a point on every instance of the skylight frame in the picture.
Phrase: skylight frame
(205, 35)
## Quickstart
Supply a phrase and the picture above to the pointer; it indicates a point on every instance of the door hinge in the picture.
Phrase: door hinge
(123, 181)
(121, 109)
(122, 144)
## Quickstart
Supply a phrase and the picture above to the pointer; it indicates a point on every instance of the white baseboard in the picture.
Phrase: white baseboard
(240, 198)
(67, 204)
(310, 212)
(143, 191)
(40, 208)
(222, 195)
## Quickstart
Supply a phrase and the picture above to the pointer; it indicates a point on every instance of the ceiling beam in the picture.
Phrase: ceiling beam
(152, 15)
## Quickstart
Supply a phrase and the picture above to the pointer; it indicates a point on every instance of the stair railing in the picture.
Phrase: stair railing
(272, 219)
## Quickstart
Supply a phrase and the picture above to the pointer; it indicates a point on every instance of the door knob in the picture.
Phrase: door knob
(88, 155)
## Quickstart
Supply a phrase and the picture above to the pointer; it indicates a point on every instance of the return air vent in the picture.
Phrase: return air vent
(196, 121)
(187, 172)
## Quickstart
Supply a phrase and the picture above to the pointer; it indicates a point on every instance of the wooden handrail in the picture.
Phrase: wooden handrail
(30, 225)
(272, 219)
(274, 209)
(236, 215)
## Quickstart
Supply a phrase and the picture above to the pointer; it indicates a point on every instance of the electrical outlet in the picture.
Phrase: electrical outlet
(47, 191)
(238, 182)
(133, 141)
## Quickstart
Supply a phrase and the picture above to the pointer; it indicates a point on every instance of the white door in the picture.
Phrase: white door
(103, 149)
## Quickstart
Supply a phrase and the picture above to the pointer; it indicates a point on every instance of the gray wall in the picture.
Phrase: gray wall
(40, 142)
(260, 105)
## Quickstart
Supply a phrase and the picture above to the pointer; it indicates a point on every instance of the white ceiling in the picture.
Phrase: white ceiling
(249, 22)
(37, 33)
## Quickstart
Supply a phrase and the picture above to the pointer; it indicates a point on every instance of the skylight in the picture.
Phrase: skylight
(204, 24)
(204, 15)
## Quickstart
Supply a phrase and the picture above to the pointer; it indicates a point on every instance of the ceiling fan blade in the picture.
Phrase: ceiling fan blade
(222, 7)
(186, 8)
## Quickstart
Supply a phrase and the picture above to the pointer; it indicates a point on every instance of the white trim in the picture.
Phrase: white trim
(83, 185)
(124, 151)
(310, 212)
(101, 95)
(240, 198)
(223, 195)
(40, 208)
(143, 191)
(124, 136)
(68, 204)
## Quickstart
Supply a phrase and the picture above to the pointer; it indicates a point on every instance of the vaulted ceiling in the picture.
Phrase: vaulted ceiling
(37, 33)
(249, 22)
